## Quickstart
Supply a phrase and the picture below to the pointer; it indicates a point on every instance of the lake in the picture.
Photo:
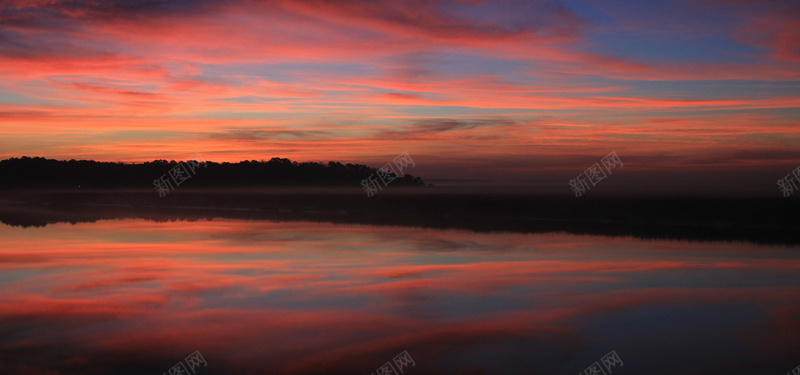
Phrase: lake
(135, 296)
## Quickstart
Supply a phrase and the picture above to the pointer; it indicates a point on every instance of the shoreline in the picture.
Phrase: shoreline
(757, 220)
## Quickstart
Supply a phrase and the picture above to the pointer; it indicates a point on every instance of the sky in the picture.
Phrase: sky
(687, 93)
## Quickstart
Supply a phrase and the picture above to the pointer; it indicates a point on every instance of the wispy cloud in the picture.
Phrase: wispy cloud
(360, 80)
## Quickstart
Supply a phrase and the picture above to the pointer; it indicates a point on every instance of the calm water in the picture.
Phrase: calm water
(258, 297)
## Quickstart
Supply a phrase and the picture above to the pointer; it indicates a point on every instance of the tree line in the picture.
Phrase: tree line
(38, 172)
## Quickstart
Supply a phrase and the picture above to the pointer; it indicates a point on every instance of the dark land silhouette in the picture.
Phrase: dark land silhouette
(38, 191)
(44, 173)
(757, 220)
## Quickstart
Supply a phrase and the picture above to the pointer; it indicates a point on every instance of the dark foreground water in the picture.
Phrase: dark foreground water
(259, 297)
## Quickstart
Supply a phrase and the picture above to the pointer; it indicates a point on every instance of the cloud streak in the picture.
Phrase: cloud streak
(356, 81)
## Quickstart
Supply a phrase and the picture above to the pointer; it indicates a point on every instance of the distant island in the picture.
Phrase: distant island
(39, 191)
(38, 172)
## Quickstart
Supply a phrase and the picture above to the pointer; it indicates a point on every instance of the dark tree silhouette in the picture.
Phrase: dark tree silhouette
(37, 172)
